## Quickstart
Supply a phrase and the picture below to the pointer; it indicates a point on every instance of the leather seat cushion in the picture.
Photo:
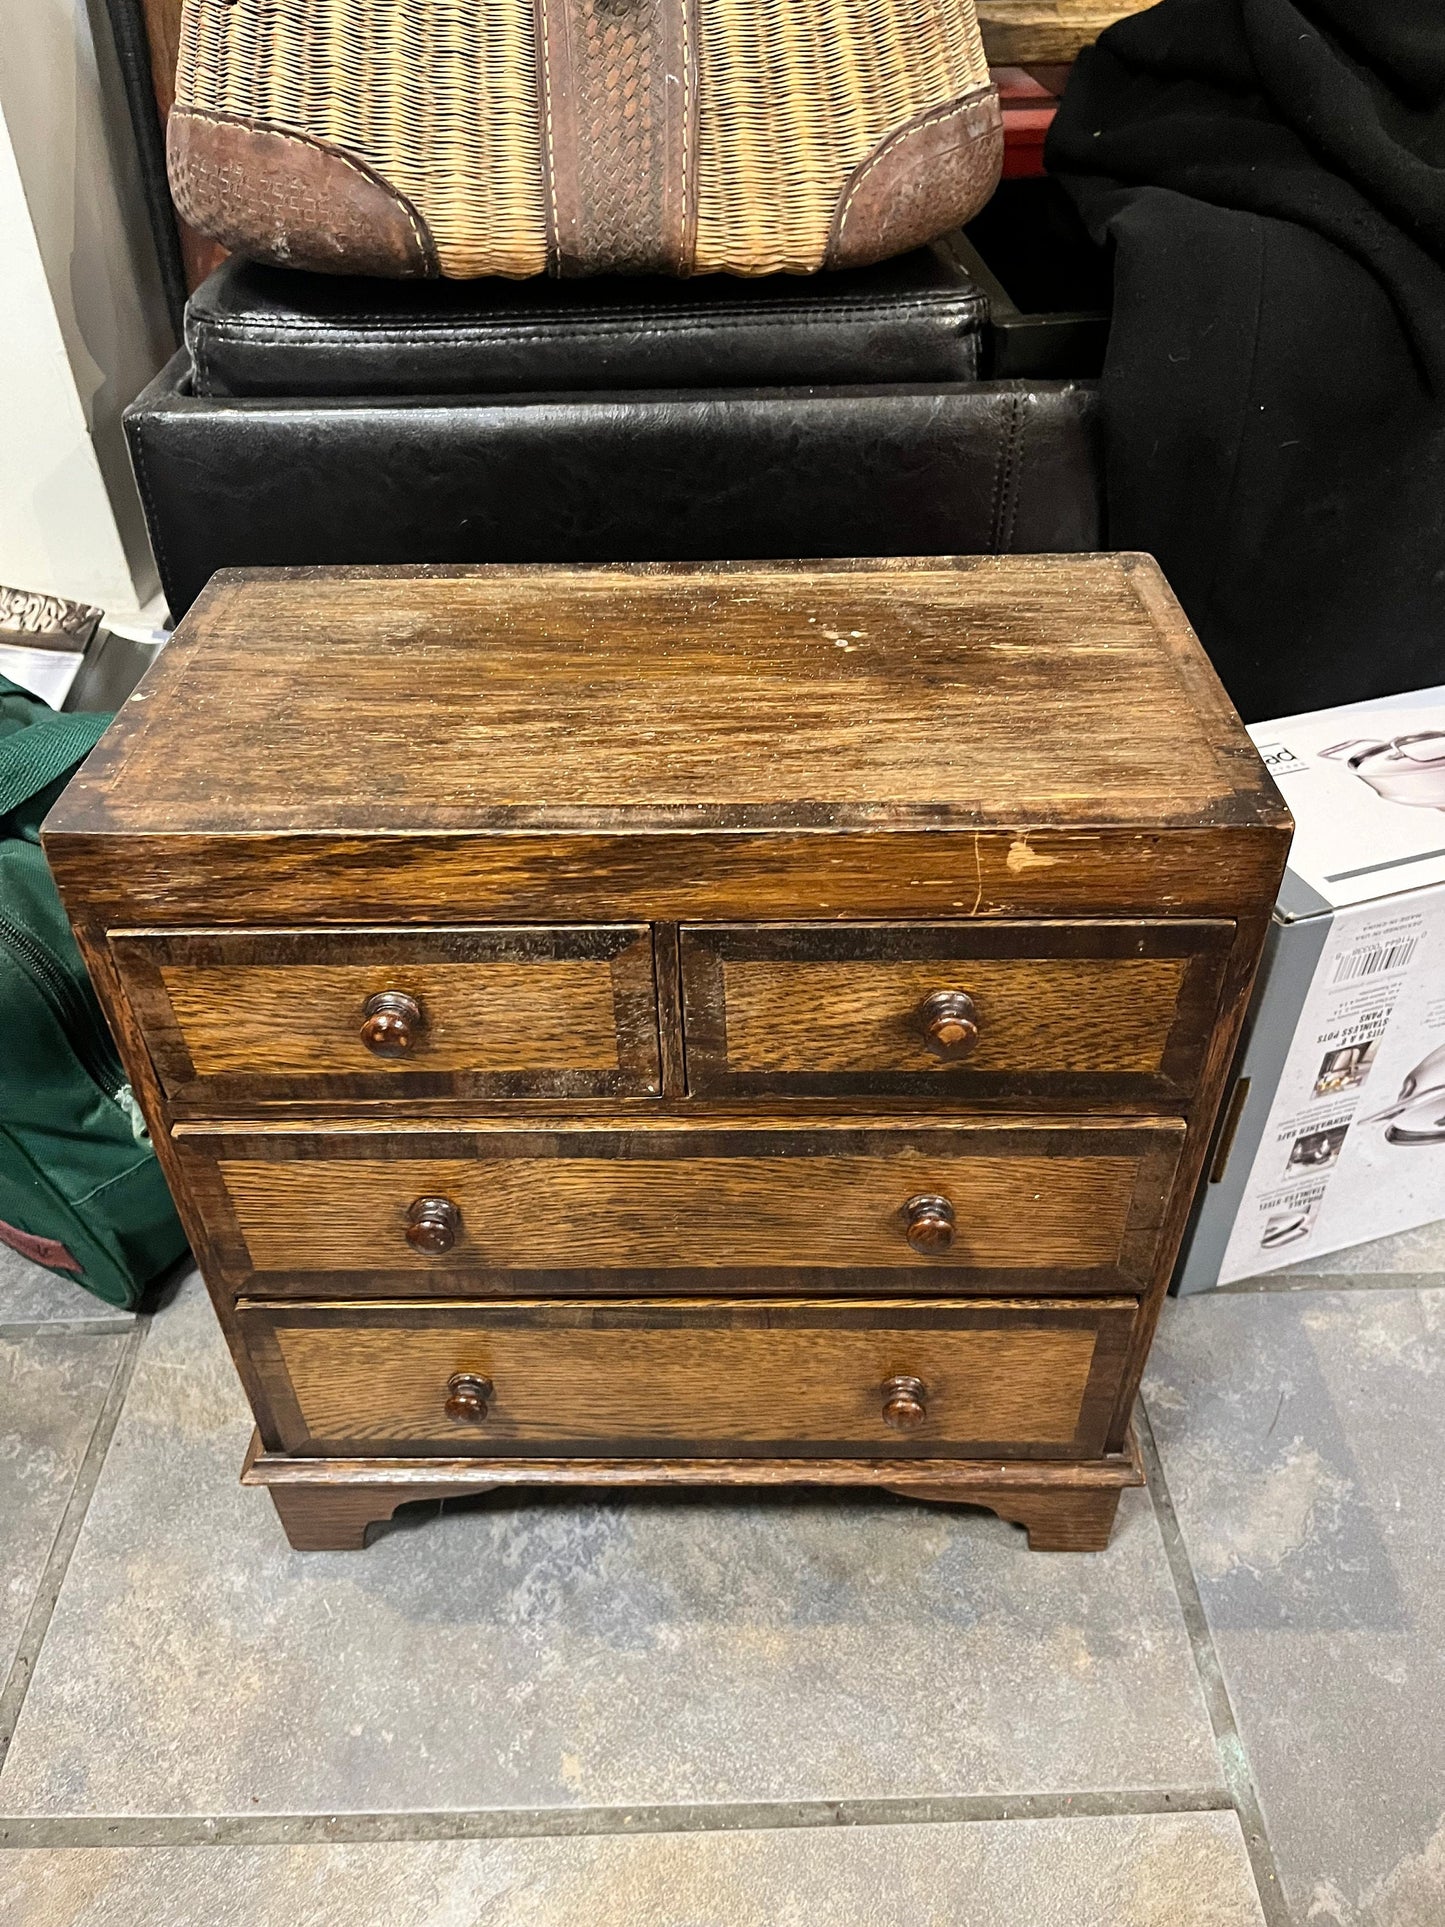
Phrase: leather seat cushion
(258, 331)
(937, 468)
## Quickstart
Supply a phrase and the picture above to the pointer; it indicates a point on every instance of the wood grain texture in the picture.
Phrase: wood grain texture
(242, 1017)
(417, 1476)
(1239, 982)
(1046, 1206)
(733, 1379)
(328, 1504)
(1102, 1011)
(671, 1048)
(1001, 742)
(578, 877)
(130, 1040)
(1054, 1521)
(335, 1518)
(609, 1213)
(1253, 917)
(277, 1019)
(979, 692)
(1070, 1016)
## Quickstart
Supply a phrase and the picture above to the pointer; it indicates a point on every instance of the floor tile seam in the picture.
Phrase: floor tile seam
(63, 1543)
(20, 1328)
(522, 1823)
(1233, 1755)
(1307, 1281)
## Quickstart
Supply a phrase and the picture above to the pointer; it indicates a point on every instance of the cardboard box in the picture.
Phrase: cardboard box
(1334, 1133)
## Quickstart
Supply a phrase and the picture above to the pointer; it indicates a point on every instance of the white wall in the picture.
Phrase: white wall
(82, 317)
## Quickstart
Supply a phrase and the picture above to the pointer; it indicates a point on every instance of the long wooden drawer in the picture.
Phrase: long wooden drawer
(878, 1206)
(1103, 1012)
(241, 1017)
(887, 1380)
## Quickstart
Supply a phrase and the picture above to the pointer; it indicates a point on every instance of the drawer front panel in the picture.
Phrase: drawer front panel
(1043, 1206)
(256, 1016)
(1101, 1012)
(702, 1380)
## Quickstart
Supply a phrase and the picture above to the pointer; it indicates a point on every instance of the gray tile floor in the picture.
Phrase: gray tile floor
(697, 1711)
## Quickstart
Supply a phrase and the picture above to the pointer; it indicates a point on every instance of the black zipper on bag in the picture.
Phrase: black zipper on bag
(91, 1043)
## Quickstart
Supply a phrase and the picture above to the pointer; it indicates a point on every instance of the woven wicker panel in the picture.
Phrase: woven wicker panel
(438, 96)
(792, 95)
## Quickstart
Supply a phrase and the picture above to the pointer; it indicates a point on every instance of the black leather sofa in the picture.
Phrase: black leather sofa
(314, 420)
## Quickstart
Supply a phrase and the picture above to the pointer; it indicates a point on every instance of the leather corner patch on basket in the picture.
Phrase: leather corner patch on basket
(288, 198)
(40, 1251)
(913, 184)
(618, 84)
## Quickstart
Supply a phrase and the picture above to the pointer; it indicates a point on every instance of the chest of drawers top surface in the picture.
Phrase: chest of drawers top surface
(683, 735)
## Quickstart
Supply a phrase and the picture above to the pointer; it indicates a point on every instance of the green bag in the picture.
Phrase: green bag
(80, 1189)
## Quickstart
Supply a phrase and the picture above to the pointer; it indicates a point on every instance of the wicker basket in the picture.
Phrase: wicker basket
(520, 137)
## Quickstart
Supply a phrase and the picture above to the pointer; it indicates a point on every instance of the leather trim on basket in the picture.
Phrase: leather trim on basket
(286, 198)
(40, 1251)
(618, 85)
(928, 176)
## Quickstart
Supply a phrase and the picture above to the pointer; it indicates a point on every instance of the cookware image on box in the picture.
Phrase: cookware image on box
(1419, 1115)
(1402, 769)
(1289, 1226)
(1347, 1069)
(1316, 1150)
(1339, 1095)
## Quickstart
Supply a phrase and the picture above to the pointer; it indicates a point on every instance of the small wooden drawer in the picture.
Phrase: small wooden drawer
(714, 1379)
(244, 1017)
(1104, 1013)
(880, 1207)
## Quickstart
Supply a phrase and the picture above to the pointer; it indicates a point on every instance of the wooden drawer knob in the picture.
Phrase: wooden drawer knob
(949, 1022)
(905, 1403)
(468, 1397)
(431, 1225)
(931, 1224)
(392, 1023)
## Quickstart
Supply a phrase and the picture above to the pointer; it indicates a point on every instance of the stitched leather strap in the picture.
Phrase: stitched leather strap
(619, 87)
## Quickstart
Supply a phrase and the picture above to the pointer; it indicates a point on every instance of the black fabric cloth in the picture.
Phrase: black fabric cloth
(1271, 176)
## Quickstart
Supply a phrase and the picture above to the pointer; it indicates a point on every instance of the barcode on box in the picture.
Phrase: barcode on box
(1351, 965)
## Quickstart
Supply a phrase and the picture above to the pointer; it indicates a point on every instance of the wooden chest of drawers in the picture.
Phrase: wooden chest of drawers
(691, 1025)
